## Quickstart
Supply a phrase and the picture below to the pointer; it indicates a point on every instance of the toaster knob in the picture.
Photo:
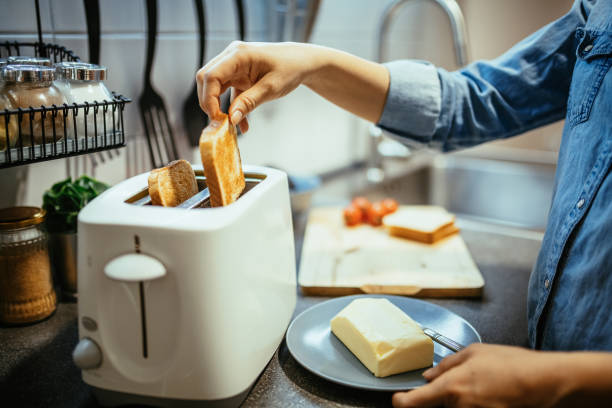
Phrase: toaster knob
(87, 354)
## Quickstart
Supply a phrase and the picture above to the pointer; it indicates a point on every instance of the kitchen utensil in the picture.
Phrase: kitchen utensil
(157, 127)
(380, 263)
(92, 17)
(168, 295)
(194, 119)
(311, 342)
(241, 19)
(226, 97)
(443, 340)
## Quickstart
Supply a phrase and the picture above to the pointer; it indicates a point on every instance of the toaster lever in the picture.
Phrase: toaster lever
(134, 268)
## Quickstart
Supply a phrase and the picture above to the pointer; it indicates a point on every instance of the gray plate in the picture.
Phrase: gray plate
(313, 345)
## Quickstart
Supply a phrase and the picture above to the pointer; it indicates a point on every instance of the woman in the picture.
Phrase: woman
(561, 71)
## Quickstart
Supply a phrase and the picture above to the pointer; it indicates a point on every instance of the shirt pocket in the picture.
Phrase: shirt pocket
(592, 64)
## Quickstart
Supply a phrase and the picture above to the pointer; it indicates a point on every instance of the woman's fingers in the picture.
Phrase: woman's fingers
(446, 364)
(216, 76)
(244, 123)
(208, 96)
(250, 98)
(430, 395)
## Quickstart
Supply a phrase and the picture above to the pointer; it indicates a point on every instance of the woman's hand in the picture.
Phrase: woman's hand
(485, 375)
(260, 72)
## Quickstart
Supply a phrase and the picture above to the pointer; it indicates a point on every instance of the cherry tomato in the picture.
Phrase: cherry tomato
(352, 215)
(362, 203)
(389, 205)
(375, 214)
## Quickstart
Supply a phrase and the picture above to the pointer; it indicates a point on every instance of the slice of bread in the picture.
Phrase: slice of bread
(171, 185)
(221, 160)
(421, 223)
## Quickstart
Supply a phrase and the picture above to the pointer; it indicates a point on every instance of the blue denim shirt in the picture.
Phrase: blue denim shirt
(561, 71)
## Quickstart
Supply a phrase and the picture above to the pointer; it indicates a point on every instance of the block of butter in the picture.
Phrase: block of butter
(384, 338)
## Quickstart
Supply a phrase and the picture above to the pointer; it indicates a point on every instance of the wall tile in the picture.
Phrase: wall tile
(122, 16)
(176, 16)
(257, 12)
(77, 43)
(68, 16)
(20, 17)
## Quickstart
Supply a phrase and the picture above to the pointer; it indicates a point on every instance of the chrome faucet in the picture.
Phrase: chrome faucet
(393, 148)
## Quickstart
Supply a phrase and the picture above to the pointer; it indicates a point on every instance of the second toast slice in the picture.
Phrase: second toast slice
(171, 185)
(221, 160)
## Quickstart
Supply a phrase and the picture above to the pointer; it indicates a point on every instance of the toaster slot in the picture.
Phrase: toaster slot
(202, 198)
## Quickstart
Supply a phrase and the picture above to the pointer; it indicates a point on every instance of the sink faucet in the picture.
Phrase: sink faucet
(381, 147)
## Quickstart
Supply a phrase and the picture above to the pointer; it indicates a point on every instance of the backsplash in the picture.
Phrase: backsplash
(301, 133)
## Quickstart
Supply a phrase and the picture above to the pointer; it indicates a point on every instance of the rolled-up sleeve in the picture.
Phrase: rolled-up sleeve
(525, 88)
(413, 98)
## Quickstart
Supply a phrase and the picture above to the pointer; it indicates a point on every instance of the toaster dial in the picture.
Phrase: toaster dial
(87, 354)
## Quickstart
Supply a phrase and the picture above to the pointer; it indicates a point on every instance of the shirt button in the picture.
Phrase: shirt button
(546, 283)
(580, 203)
(587, 48)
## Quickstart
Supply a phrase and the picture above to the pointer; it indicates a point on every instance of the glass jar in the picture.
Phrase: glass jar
(32, 86)
(25, 60)
(8, 134)
(26, 284)
(82, 82)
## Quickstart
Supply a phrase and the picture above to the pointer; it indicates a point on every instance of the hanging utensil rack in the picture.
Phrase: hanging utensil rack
(60, 142)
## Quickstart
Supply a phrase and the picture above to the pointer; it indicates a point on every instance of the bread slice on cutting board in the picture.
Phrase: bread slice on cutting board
(171, 185)
(221, 160)
(421, 223)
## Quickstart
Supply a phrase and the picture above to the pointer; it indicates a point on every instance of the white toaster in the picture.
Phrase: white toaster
(183, 307)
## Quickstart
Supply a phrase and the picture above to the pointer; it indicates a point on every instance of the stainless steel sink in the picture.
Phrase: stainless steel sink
(495, 192)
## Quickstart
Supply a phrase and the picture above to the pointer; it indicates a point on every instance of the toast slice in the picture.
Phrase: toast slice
(221, 160)
(426, 224)
(171, 185)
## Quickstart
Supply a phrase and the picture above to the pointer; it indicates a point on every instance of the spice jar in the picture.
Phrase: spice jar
(26, 285)
(32, 86)
(8, 134)
(25, 60)
(82, 82)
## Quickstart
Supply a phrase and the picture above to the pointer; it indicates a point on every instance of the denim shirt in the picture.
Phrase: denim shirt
(561, 71)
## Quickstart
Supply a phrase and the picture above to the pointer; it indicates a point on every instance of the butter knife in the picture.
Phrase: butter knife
(443, 340)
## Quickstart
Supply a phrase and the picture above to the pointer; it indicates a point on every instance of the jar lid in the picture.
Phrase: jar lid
(20, 217)
(27, 73)
(81, 71)
(25, 60)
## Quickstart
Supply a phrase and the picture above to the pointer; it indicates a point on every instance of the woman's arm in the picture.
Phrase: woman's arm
(489, 375)
(525, 88)
(261, 72)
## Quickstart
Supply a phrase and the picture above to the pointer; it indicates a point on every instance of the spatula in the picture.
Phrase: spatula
(158, 131)
(194, 119)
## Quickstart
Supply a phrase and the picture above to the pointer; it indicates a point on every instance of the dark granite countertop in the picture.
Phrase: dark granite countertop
(36, 367)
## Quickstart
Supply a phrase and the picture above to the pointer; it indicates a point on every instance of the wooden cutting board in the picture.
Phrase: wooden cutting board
(339, 260)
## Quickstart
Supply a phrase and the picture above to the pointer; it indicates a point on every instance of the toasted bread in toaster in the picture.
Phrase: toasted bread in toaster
(221, 160)
(421, 223)
(171, 185)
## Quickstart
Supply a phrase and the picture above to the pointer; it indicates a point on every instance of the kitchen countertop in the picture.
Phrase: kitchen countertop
(36, 367)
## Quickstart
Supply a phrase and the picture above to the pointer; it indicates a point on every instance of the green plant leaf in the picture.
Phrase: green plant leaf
(66, 198)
